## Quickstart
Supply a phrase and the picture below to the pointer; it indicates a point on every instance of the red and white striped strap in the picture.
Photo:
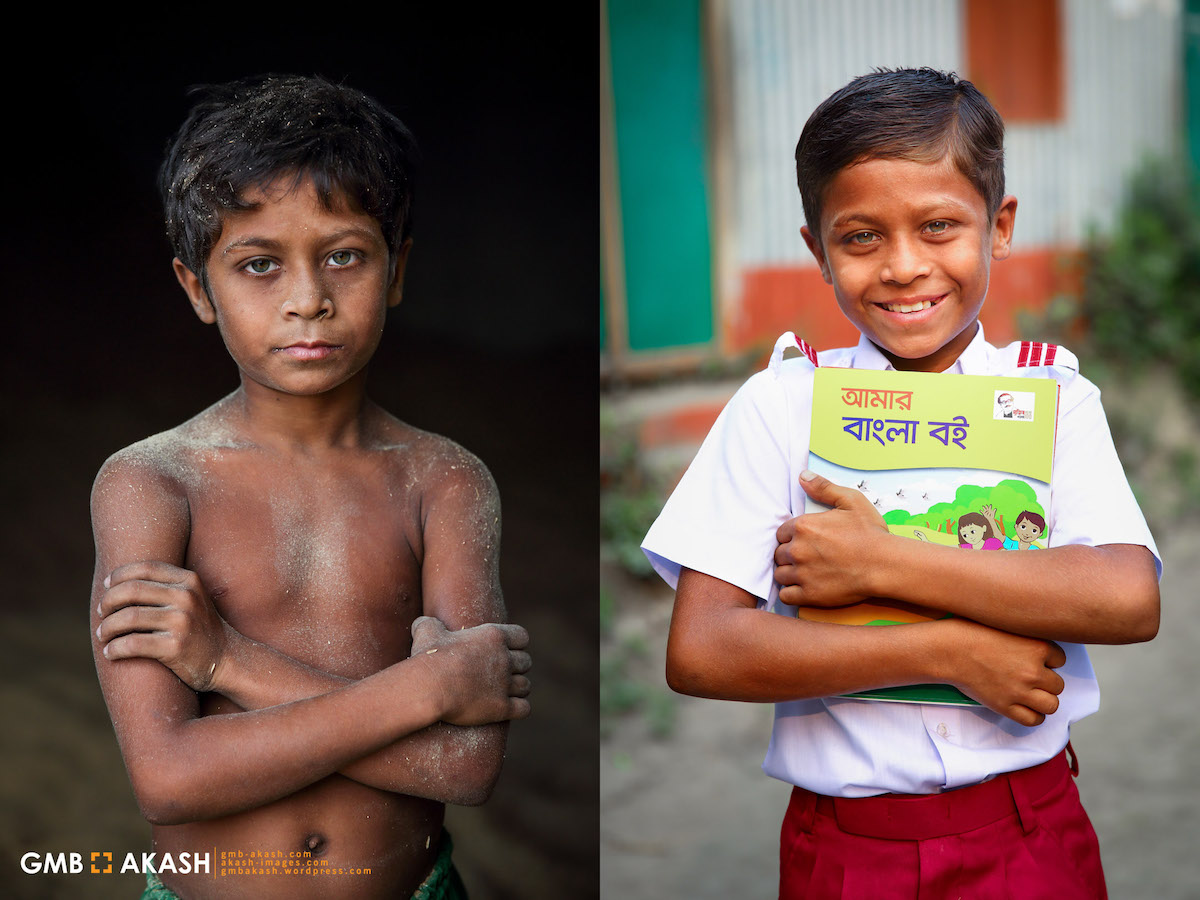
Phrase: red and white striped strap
(1035, 353)
(807, 350)
(791, 347)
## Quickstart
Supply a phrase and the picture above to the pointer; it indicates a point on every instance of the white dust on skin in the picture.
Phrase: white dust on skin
(447, 759)
(313, 549)
(183, 455)
(468, 493)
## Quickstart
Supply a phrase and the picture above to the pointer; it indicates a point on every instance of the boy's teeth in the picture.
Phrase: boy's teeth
(907, 307)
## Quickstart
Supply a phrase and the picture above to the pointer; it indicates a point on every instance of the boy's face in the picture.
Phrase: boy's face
(1027, 531)
(299, 292)
(908, 247)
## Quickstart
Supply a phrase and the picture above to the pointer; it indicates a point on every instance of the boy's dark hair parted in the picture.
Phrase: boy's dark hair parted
(917, 114)
(244, 133)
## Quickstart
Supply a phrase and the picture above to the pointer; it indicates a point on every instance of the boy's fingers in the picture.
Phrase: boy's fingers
(1053, 683)
(131, 619)
(519, 661)
(1044, 702)
(1023, 715)
(426, 622)
(136, 645)
(519, 686)
(135, 593)
(791, 595)
(518, 708)
(785, 569)
(515, 636)
(1057, 656)
(146, 570)
(785, 532)
(825, 491)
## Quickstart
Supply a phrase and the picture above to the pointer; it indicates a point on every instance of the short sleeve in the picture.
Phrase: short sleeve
(722, 517)
(1091, 501)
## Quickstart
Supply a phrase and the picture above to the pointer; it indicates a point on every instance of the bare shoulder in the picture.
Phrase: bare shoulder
(437, 468)
(153, 477)
(458, 512)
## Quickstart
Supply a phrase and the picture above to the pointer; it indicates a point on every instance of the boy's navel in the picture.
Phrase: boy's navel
(315, 844)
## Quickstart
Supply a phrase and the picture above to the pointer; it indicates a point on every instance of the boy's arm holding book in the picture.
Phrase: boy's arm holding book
(721, 646)
(1105, 594)
(185, 767)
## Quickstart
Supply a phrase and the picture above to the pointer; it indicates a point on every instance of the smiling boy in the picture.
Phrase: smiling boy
(901, 176)
(291, 589)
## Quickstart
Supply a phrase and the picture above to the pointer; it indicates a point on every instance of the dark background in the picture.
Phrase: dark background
(494, 345)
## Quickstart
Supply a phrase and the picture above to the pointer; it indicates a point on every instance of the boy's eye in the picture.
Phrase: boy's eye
(342, 257)
(862, 237)
(938, 227)
(261, 266)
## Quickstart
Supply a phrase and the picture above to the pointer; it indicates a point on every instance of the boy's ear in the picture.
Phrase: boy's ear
(1002, 227)
(396, 289)
(818, 251)
(194, 288)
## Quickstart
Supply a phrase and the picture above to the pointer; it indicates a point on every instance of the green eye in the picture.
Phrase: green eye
(260, 266)
(938, 227)
(342, 257)
(862, 237)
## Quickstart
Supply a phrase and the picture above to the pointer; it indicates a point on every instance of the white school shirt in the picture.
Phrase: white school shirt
(744, 482)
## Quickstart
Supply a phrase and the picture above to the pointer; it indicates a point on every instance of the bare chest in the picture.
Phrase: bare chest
(322, 565)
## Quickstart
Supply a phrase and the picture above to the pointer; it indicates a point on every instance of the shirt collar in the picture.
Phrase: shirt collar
(973, 360)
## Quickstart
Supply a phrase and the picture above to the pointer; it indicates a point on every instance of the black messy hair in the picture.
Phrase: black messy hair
(248, 132)
(918, 114)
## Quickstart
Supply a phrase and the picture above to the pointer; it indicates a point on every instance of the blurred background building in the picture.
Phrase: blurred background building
(702, 104)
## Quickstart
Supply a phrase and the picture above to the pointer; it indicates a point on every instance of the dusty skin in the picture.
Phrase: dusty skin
(326, 568)
(290, 589)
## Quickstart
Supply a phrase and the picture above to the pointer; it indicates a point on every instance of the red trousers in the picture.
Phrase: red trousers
(1020, 836)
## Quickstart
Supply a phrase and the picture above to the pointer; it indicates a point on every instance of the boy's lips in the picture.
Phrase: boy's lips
(308, 350)
(910, 305)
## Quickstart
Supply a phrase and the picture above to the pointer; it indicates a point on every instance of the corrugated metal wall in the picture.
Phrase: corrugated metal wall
(1122, 66)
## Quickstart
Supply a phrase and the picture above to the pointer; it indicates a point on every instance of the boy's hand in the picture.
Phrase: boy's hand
(1007, 673)
(481, 670)
(823, 559)
(155, 610)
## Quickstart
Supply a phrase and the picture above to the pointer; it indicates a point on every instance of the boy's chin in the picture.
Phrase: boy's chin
(911, 353)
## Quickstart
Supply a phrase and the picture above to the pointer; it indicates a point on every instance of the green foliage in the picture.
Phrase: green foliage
(623, 693)
(630, 498)
(1141, 293)
(1010, 498)
(1136, 330)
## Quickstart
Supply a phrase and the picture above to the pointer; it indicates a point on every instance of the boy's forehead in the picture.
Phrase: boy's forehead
(288, 201)
(874, 186)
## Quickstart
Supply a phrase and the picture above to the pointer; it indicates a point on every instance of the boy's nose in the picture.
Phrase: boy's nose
(309, 300)
(904, 263)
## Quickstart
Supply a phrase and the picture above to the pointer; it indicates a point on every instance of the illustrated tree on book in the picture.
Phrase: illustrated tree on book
(1010, 501)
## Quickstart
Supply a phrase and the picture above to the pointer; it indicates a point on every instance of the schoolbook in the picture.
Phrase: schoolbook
(961, 460)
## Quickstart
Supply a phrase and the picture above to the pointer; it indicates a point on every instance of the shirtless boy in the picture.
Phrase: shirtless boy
(291, 588)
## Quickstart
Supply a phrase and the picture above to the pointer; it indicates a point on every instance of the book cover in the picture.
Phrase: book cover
(961, 460)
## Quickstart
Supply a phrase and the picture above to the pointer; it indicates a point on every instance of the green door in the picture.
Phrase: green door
(658, 143)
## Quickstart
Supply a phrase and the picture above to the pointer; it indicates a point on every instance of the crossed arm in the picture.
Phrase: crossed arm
(152, 621)
(1011, 607)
